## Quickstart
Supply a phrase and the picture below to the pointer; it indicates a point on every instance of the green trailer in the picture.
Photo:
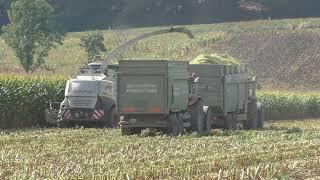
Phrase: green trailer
(157, 94)
(229, 96)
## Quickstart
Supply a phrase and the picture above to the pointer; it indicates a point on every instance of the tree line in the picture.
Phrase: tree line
(76, 15)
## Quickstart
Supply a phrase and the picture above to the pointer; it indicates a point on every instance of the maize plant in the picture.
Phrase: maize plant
(23, 100)
(286, 105)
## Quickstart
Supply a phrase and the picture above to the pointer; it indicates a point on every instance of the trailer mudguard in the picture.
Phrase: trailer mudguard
(193, 99)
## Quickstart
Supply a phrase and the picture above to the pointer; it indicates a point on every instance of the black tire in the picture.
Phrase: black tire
(64, 124)
(260, 115)
(208, 119)
(230, 122)
(173, 124)
(113, 118)
(252, 115)
(180, 123)
(126, 131)
(197, 117)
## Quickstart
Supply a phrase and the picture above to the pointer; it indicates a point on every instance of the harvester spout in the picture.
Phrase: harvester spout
(127, 44)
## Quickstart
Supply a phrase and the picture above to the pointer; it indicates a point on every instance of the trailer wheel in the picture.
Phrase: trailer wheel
(197, 117)
(252, 115)
(180, 123)
(260, 115)
(64, 124)
(230, 122)
(113, 118)
(173, 124)
(126, 131)
(208, 119)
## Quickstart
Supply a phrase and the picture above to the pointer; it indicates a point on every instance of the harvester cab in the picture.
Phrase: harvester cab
(95, 68)
(110, 70)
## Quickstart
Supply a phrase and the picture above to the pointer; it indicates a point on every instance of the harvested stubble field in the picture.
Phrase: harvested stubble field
(284, 149)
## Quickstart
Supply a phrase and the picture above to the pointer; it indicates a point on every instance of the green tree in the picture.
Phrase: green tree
(93, 44)
(30, 32)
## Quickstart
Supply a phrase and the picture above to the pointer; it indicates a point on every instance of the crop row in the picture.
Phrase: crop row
(23, 100)
(288, 105)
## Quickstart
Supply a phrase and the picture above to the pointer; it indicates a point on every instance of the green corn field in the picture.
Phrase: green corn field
(290, 105)
(23, 100)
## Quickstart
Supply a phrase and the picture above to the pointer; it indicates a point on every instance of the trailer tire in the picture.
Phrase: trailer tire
(126, 131)
(252, 115)
(173, 124)
(113, 118)
(208, 119)
(260, 115)
(64, 124)
(180, 126)
(197, 116)
(230, 122)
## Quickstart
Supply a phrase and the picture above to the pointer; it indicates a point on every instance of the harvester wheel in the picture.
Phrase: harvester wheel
(252, 115)
(197, 117)
(260, 115)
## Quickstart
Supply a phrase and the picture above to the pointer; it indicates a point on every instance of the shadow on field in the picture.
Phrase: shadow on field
(221, 132)
(21, 130)
(46, 128)
(283, 129)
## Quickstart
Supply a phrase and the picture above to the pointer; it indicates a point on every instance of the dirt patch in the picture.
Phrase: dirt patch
(280, 59)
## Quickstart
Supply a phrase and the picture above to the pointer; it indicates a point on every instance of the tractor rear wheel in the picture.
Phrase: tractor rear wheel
(260, 115)
(252, 115)
(208, 119)
(197, 117)
(126, 131)
(230, 122)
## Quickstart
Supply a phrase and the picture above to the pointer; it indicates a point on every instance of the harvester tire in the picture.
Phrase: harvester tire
(197, 117)
(252, 115)
(260, 115)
